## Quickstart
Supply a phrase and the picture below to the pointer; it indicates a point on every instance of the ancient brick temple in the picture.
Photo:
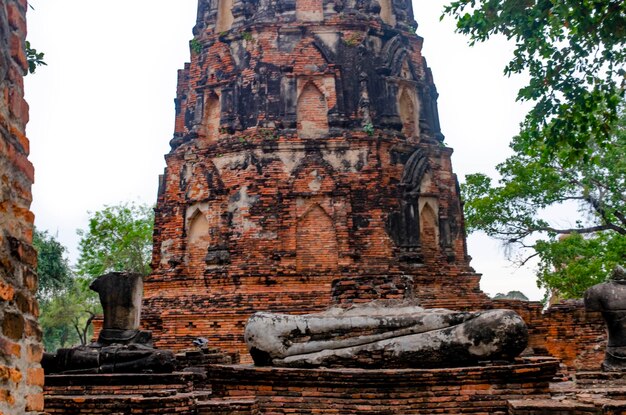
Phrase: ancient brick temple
(308, 168)
(21, 377)
(307, 153)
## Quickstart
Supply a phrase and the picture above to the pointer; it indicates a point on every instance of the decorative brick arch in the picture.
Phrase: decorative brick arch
(225, 16)
(200, 181)
(312, 112)
(197, 227)
(316, 242)
(203, 227)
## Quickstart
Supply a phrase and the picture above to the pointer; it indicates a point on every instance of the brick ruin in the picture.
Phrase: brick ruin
(308, 168)
(21, 377)
(307, 155)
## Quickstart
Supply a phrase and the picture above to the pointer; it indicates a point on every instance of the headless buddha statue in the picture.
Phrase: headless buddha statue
(121, 347)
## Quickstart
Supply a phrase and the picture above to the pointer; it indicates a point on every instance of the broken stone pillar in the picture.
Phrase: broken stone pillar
(120, 295)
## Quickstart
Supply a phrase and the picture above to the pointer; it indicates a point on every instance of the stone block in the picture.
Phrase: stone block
(13, 325)
(8, 374)
(9, 349)
(34, 352)
(6, 395)
(32, 329)
(16, 18)
(35, 376)
(30, 281)
(26, 303)
(23, 252)
(35, 402)
(6, 291)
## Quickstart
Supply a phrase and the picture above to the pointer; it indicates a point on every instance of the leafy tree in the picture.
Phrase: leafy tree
(66, 303)
(571, 258)
(34, 58)
(119, 238)
(53, 269)
(66, 318)
(574, 53)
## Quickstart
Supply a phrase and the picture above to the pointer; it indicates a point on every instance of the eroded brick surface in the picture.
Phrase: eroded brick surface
(307, 150)
(308, 167)
(476, 390)
(20, 376)
(162, 394)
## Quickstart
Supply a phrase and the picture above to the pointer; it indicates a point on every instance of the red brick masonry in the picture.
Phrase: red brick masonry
(21, 377)
(473, 390)
(246, 390)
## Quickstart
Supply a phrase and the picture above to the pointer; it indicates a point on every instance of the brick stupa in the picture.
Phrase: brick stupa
(307, 151)
(307, 169)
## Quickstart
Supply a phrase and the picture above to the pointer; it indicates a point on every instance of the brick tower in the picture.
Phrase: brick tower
(307, 167)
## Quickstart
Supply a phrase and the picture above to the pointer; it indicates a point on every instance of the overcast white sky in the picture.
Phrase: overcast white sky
(102, 111)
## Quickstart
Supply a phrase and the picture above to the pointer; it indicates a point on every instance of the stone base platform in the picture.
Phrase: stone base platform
(470, 390)
(159, 394)
(249, 390)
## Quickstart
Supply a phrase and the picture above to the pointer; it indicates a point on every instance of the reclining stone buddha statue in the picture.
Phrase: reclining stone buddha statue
(385, 334)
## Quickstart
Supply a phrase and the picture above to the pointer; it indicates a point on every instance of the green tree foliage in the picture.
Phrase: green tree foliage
(34, 58)
(573, 257)
(119, 238)
(573, 51)
(66, 304)
(66, 318)
(53, 268)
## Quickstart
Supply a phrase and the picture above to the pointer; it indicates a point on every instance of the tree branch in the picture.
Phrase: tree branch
(528, 259)
(590, 229)
(602, 212)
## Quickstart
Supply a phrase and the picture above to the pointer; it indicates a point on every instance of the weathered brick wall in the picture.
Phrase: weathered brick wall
(566, 331)
(158, 394)
(283, 190)
(21, 377)
(308, 168)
